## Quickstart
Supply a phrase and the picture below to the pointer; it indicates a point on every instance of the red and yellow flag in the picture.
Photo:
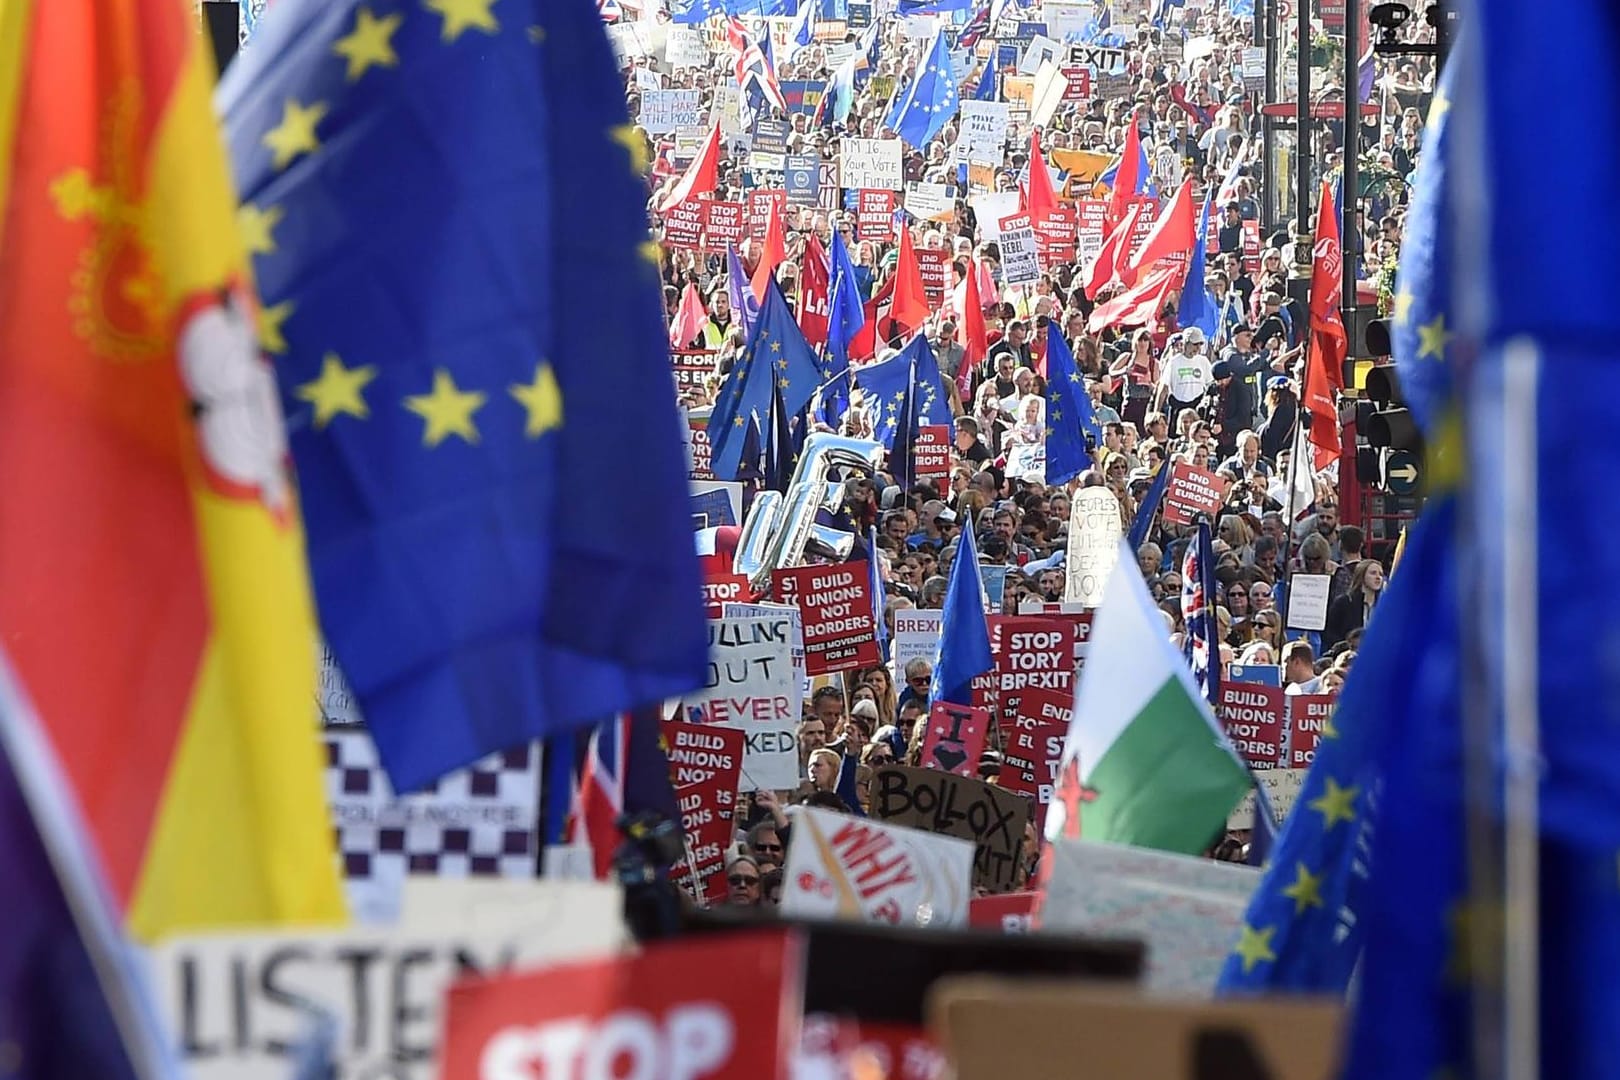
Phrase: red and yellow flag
(153, 593)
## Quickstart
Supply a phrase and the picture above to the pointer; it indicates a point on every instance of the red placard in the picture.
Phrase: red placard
(702, 455)
(1010, 913)
(1192, 491)
(931, 456)
(1144, 221)
(683, 225)
(1030, 653)
(841, 1046)
(1212, 232)
(721, 586)
(759, 209)
(705, 767)
(641, 1014)
(955, 738)
(1253, 718)
(1251, 246)
(1079, 83)
(1073, 614)
(1034, 746)
(835, 605)
(690, 367)
(935, 267)
(1308, 715)
(1055, 233)
(724, 225)
(874, 214)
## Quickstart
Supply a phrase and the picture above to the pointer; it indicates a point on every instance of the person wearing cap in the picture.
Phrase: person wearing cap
(1186, 375)
(1235, 374)
(1282, 413)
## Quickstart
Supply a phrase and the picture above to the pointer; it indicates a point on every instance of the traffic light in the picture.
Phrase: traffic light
(1393, 457)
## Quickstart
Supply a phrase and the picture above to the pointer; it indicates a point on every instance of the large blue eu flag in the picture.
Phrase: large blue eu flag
(437, 196)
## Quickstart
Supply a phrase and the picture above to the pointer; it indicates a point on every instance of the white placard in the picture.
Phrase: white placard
(1040, 50)
(984, 131)
(647, 79)
(1095, 538)
(860, 870)
(929, 202)
(1282, 787)
(989, 209)
(728, 106)
(242, 1006)
(735, 609)
(685, 47)
(1020, 251)
(1308, 601)
(1101, 59)
(871, 163)
(751, 687)
(840, 51)
(627, 43)
(1066, 17)
(916, 637)
(663, 111)
(1050, 86)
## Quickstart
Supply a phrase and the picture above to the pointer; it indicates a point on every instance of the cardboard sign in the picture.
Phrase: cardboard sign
(1191, 491)
(641, 1014)
(874, 215)
(1020, 251)
(983, 132)
(705, 767)
(955, 738)
(934, 265)
(871, 163)
(1009, 913)
(835, 603)
(962, 807)
(857, 869)
(788, 611)
(931, 453)
(1095, 538)
(1308, 716)
(1282, 788)
(759, 210)
(1252, 717)
(1308, 601)
(662, 111)
(242, 1006)
(684, 47)
(750, 686)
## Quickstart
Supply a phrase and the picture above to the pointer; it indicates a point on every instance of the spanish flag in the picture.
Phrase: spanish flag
(153, 594)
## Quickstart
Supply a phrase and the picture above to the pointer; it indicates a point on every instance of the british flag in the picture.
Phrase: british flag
(755, 67)
(975, 28)
(1201, 647)
(626, 772)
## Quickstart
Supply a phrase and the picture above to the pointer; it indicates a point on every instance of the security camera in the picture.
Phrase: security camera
(1389, 17)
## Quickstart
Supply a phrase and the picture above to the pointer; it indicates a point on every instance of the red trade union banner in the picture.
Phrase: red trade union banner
(935, 267)
(955, 738)
(705, 753)
(1309, 715)
(1009, 913)
(1056, 234)
(1034, 746)
(759, 209)
(683, 225)
(1252, 716)
(725, 225)
(1144, 221)
(1192, 491)
(835, 605)
(715, 1006)
(931, 456)
(721, 586)
(1078, 87)
(874, 215)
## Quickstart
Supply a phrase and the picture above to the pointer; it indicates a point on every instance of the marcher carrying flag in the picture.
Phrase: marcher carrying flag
(964, 639)
(777, 359)
(1202, 646)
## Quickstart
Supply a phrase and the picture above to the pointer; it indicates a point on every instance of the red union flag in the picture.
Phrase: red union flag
(642, 1015)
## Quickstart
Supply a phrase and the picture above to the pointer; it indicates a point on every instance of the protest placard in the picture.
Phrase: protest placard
(928, 202)
(874, 215)
(1095, 535)
(1009, 913)
(242, 1006)
(759, 209)
(1308, 601)
(1019, 90)
(1030, 654)
(916, 636)
(724, 225)
(767, 609)
(690, 367)
(871, 163)
(931, 455)
(802, 179)
(962, 807)
(1254, 68)
(1051, 88)
(934, 266)
(983, 131)
(750, 687)
(1038, 52)
(829, 196)
(1191, 491)
(684, 47)
(1034, 747)
(1251, 245)
(1282, 788)
(835, 603)
(993, 578)
(720, 585)
(1077, 83)
(642, 1014)
(697, 448)
(802, 95)
(1101, 59)
(1089, 230)
(1253, 718)
(705, 767)
(1187, 909)
(1264, 674)
(989, 209)
(771, 135)
(860, 870)
(955, 738)
(1020, 251)
(1066, 17)
(1075, 615)
(683, 225)
(1055, 230)
(1310, 718)
(718, 501)
(662, 111)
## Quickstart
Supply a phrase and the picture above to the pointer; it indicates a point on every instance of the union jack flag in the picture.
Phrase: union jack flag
(1200, 646)
(756, 70)
(599, 801)
(975, 28)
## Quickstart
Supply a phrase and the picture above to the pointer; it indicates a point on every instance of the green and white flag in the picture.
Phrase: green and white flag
(1155, 769)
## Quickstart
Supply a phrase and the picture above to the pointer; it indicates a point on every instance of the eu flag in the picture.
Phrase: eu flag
(1197, 306)
(846, 313)
(964, 639)
(696, 12)
(1142, 523)
(986, 90)
(902, 453)
(1070, 421)
(497, 505)
(927, 105)
(1201, 645)
(777, 359)
(886, 383)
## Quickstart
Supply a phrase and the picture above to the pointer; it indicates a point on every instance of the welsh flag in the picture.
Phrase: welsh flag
(1155, 770)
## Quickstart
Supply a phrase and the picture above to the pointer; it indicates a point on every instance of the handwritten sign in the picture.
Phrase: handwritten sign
(871, 163)
(835, 603)
(1191, 491)
(962, 807)
(983, 131)
(662, 111)
(860, 870)
(750, 687)
(955, 738)
(1095, 534)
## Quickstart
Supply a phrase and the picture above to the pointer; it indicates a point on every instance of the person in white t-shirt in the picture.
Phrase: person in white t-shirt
(1185, 374)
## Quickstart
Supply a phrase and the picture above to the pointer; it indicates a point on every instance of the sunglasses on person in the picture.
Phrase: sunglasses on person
(768, 848)
(920, 680)
(880, 759)
(743, 880)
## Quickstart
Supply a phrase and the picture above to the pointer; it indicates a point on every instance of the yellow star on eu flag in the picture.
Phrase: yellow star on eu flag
(1255, 946)
(1306, 891)
(1336, 804)
(652, 253)
(1438, 107)
(462, 15)
(634, 144)
(370, 43)
(1402, 309)
(542, 399)
(337, 391)
(447, 409)
(1432, 338)
(258, 228)
(270, 320)
(296, 133)
(1075, 377)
